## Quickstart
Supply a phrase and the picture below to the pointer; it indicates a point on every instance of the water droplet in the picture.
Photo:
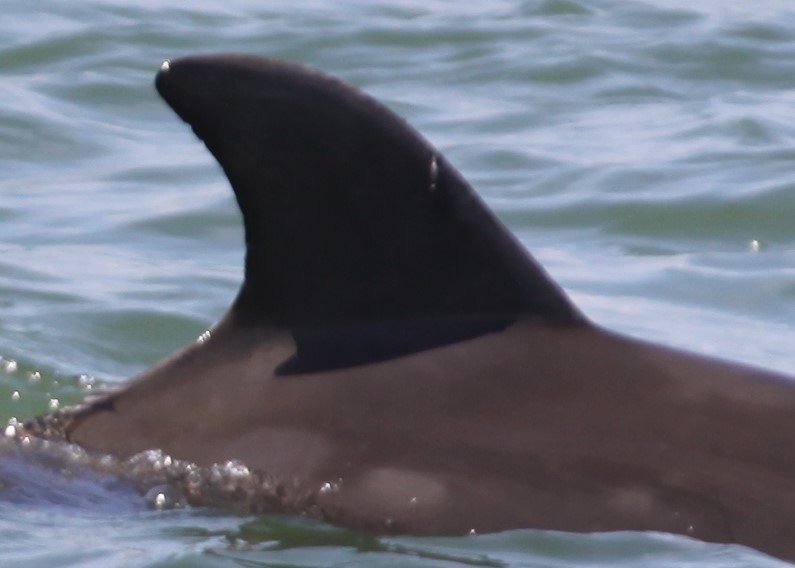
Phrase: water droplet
(10, 431)
(473, 532)
(9, 365)
(163, 497)
(754, 246)
(54, 404)
(85, 381)
(165, 66)
(331, 486)
(107, 461)
(15, 395)
(76, 454)
(236, 468)
(34, 376)
(193, 479)
(204, 337)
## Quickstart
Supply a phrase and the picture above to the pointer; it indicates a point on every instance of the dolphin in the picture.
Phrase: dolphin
(393, 339)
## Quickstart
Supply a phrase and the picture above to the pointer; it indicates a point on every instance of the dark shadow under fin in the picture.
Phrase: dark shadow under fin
(328, 349)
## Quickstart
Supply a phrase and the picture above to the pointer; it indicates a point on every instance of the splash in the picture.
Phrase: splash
(160, 480)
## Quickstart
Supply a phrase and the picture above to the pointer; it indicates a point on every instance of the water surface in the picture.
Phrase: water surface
(644, 151)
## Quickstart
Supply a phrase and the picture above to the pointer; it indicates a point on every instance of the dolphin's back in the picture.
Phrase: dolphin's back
(556, 427)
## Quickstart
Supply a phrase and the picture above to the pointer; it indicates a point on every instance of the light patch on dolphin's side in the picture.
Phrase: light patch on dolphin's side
(397, 496)
(634, 499)
(403, 487)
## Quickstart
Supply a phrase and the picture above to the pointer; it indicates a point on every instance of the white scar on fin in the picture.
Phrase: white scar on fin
(434, 170)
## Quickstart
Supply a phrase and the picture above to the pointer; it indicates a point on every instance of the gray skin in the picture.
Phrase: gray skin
(542, 420)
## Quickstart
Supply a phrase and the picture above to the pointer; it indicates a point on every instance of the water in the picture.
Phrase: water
(643, 150)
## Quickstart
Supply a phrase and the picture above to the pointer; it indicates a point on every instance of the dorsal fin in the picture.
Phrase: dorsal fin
(350, 216)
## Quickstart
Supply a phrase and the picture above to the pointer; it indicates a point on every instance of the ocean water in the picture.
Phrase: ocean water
(644, 151)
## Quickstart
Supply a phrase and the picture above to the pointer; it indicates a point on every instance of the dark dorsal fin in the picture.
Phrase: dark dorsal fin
(350, 216)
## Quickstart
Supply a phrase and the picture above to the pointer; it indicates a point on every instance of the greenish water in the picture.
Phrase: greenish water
(643, 150)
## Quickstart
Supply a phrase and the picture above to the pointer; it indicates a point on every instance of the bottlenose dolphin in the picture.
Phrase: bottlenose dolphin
(393, 340)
